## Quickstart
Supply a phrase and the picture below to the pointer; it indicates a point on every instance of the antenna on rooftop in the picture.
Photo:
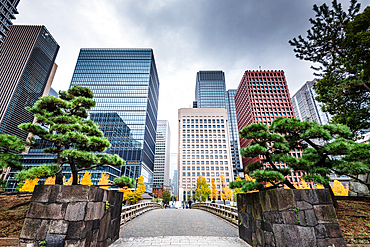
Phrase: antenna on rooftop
(259, 67)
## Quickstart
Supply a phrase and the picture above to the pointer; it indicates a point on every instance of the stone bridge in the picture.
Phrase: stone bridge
(179, 227)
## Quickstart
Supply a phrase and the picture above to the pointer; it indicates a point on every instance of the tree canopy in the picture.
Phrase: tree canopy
(166, 196)
(326, 149)
(340, 41)
(202, 191)
(10, 146)
(76, 140)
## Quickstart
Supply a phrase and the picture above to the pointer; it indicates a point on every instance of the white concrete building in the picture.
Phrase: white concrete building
(162, 155)
(204, 148)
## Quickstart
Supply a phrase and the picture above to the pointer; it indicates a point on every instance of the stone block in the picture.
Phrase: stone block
(257, 211)
(298, 195)
(266, 226)
(256, 198)
(320, 231)
(55, 190)
(58, 227)
(114, 229)
(269, 239)
(337, 242)
(45, 211)
(286, 199)
(30, 227)
(289, 217)
(104, 228)
(310, 217)
(43, 230)
(41, 193)
(260, 237)
(265, 201)
(272, 217)
(310, 196)
(74, 193)
(302, 205)
(78, 229)
(274, 205)
(302, 218)
(96, 224)
(55, 240)
(95, 210)
(36, 210)
(294, 236)
(325, 214)
(75, 211)
(75, 243)
(333, 230)
(324, 196)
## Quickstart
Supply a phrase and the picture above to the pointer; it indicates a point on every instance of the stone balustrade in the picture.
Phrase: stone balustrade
(226, 212)
(130, 212)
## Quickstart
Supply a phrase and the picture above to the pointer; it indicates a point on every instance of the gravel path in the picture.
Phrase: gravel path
(178, 222)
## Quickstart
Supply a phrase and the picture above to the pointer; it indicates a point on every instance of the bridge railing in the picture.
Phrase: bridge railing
(226, 212)
(130, 212)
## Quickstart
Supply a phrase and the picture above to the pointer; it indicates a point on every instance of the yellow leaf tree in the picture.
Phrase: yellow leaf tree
(237, 190)
(29, 185)
(214, 191)
(104, 179)
(86, 179)
(226, 193)
(339, 189)
(50, 180)
(133, 196)
(202, 191)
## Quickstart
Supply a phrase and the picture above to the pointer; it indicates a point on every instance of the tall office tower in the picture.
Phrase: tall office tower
(204, 148)
(210, 92)
(125, 86)
(26, 61)
(174, 183)
(162, 156)
(306, 107)
(262, 96)
(210, 89)
(8, 9)
(234, 134)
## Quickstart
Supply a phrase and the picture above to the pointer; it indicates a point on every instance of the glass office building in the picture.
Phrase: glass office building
(234, 133)
(8, 10)
(210, 92)
(26, 62)
(125, 86)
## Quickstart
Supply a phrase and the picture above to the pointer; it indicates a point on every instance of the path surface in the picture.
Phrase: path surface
(178, 227)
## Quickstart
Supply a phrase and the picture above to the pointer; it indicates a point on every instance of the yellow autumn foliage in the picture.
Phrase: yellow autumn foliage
(104, 179)
(134, 196)
(86, 179)
(29, 185)
(214, 191)
(50, 180)
(338, 189)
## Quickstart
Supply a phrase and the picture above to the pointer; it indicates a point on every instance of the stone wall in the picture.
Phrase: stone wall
(280, 217)
(76, 215)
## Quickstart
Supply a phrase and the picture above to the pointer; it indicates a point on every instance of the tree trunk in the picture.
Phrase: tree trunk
(59, 175)
(59, 178)
(74, 171)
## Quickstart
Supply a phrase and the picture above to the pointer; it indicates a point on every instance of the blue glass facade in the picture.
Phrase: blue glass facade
(234, 133)
(125, 86)
(210, 89)
(210, 92)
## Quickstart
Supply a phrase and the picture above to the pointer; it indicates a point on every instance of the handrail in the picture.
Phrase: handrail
(132, 211)
(226, 212)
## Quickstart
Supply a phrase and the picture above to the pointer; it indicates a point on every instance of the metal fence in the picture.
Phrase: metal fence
(223, 211)
(130, 212)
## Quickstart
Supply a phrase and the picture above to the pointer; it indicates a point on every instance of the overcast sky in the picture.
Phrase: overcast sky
(186, 36)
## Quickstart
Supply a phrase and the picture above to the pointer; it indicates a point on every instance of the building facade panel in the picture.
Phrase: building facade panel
(8, 10)
(204, 148)
(125, 86)
(26, 61)
(162, 155)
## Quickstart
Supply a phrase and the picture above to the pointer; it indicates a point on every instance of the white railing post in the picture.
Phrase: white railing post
(130, 212)
(228, 213)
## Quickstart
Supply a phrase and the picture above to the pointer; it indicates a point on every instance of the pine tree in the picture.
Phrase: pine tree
(10, 146)
(339, 41)
(77, 141)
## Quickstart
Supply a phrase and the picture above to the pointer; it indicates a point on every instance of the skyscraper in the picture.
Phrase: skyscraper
(262, 96)
(8, 9)
(26, 61)
(125, 86)
(210, 92)
(162, 156)
(204, 148)
(306, 107)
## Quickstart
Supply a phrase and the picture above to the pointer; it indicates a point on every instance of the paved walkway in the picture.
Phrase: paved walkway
(179, 227)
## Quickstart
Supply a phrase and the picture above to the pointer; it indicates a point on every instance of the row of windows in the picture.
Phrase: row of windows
(204, 162)
(204, 151)
(205, 168)
(201, 141)
(204, 157)
(205, 126)
(201, 121)
(201, 131)
(203, 174)
(203, 146)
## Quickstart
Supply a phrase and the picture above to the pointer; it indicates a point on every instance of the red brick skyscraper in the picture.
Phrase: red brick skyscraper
(261, 97)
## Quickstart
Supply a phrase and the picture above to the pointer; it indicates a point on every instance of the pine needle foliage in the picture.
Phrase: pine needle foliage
(77, 141)
(10, 146)
(339, 42)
